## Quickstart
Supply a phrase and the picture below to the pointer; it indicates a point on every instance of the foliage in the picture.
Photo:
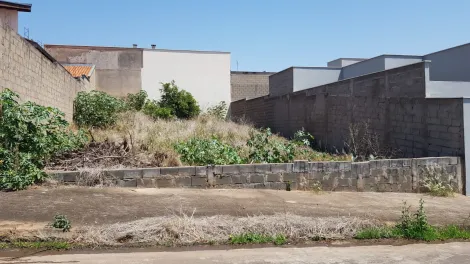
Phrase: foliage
(415, 227)
(254, 238)
(61, 222)
(182, 103)
(29, 135)
(432, 181)
(136, 101)
(153, 109)
(302, 137)
(263, 149)
(196, 151)
(218, 111)
(97, 109)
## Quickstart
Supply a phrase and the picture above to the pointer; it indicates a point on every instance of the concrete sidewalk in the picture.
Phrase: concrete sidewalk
(97, 206)
(452, 253)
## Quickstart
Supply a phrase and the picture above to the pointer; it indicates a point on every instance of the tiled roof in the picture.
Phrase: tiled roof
(78, 70)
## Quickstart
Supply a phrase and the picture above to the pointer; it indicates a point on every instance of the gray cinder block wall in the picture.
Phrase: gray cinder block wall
(397, 175)
(392, 102)
(28, 72)
(245, 85)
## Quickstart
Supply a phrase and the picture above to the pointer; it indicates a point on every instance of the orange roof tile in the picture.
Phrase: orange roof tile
(79, 70)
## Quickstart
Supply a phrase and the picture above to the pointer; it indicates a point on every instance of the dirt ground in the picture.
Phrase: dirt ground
(35, 207)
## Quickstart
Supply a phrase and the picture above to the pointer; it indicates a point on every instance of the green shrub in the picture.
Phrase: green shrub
(136, 101)
(62, 222)
(197, 151)
(152, 108)
(263, 149)
(29, 135)
(182, 103)
(97, 109)
(218, 111)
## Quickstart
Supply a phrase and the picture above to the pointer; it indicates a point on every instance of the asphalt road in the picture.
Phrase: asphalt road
(458, 253)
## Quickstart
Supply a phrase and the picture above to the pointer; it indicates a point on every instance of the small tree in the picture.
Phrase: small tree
(219, 110)
(97, 109)
(182, 103)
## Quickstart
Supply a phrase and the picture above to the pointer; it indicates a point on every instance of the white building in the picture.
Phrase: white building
(206, 75)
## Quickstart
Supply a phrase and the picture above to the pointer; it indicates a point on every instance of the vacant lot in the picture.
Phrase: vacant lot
(96, 206)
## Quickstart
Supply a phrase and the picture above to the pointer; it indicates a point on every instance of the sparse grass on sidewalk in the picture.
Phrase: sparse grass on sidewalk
(415, 227)
(54, 245)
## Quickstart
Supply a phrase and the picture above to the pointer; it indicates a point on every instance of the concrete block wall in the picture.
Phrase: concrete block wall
(392, 102)
(396, 175)
(247, 85)
(25, 70)
(282, 82)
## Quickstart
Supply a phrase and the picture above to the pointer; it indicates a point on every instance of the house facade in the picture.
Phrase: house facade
(120, 70)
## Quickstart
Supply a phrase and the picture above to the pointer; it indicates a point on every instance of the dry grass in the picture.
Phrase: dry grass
(185, 229)
(436, 181)
(94, 177)
(159, 137)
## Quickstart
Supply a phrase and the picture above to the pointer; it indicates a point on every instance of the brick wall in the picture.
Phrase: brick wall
(396, 175)
(248, 84)
(25, 70)
(392, 102)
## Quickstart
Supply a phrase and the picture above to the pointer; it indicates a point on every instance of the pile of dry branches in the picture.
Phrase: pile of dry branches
(104, 155)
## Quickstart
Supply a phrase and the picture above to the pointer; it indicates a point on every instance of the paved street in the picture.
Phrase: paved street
(455, 253)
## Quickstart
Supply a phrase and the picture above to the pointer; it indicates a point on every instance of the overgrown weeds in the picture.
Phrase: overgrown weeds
(254, 238)
(434, 181)
(366, 144)
(415, 227)
(175, 142)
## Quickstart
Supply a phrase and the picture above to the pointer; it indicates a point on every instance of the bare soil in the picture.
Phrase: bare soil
(98, 206)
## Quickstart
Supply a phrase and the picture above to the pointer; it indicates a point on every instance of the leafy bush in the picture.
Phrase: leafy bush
(263, 149)
(62, 222)
(136, 101)
(197, 151)
(29, 135)
(182, 104)
(219, 110)
(96, 109)
(152, 108)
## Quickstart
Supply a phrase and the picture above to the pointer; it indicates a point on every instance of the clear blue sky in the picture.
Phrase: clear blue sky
(262, 35)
